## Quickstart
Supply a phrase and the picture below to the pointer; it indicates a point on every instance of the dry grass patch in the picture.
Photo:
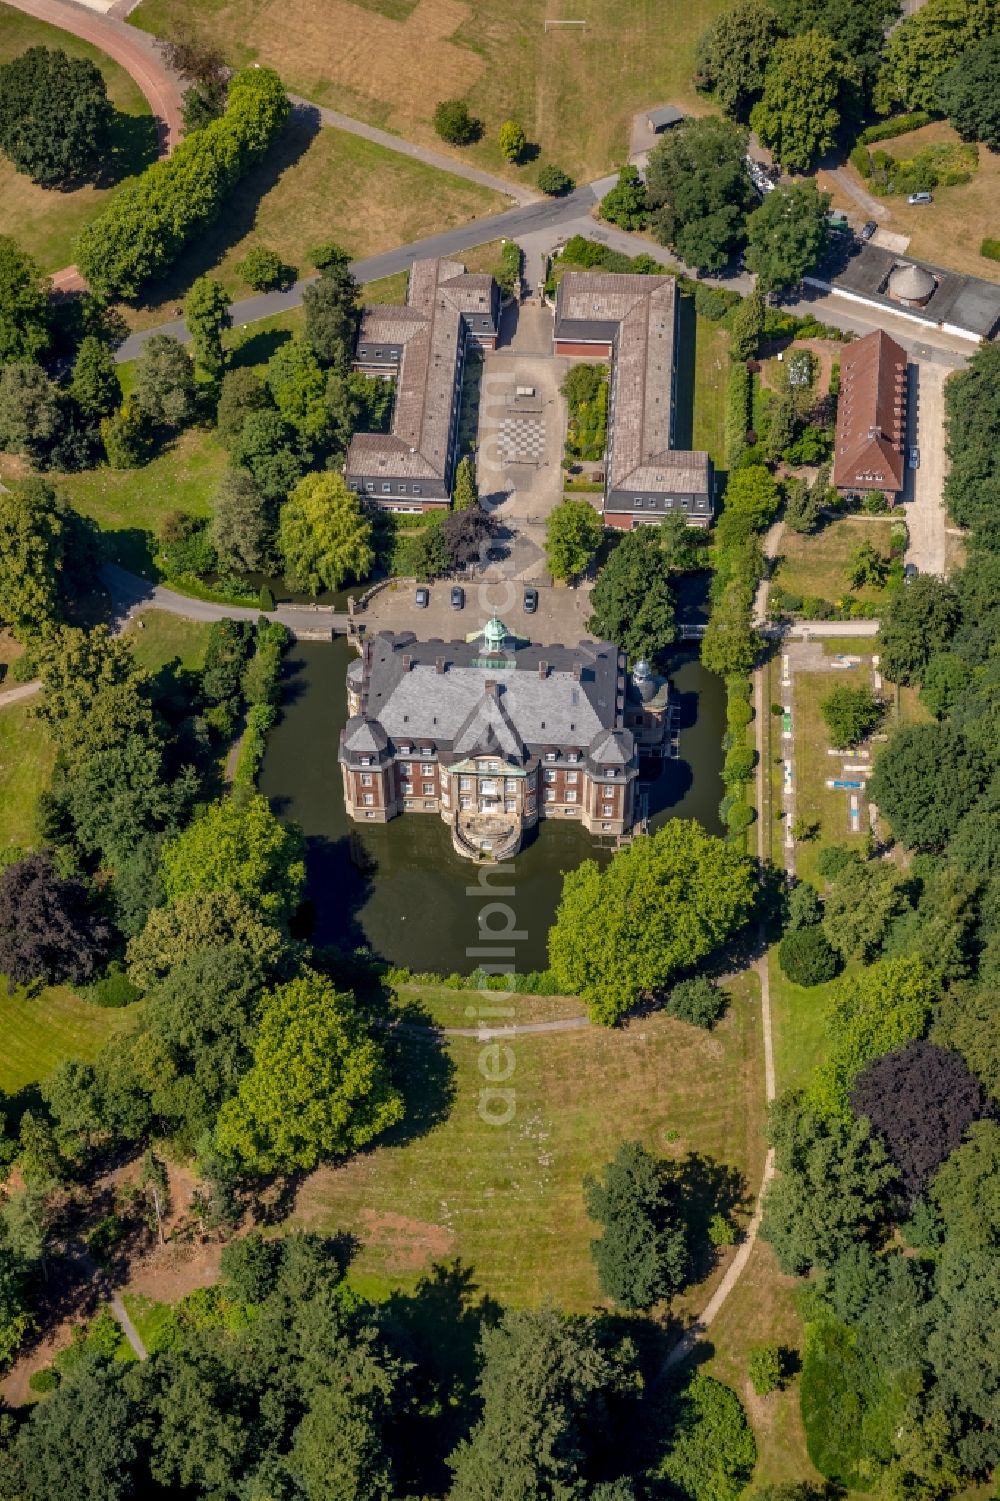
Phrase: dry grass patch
(508, 1199)
(390, 62)
(314, 186)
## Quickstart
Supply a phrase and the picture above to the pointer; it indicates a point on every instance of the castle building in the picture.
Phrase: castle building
(493, 734)
(633, 322)
(423, 345)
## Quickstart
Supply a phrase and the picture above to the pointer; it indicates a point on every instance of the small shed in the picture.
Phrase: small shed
(663, 118)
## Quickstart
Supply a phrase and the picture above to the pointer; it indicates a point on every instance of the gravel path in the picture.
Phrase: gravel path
(131, 594)
(15, 695)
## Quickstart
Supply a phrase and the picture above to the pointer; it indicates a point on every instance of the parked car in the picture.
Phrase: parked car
(914, 458)
(457, 597)
(530, 601)
(867, 230)
(422, 598)
(921, 198)
(910, 572)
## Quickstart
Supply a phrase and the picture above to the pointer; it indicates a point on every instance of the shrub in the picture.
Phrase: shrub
(738, 397)
(263, 269)
(512, 140)
(990, 249)
(506, 273)
(807, 958)
(740, 817)
(454, 123)
(886, 130)
(739, 764)
(861, 160)
(697, 1001)
(113, 989)
(765, 1369)
(739, 713)
(721, 1230)
(554, 181)
(106, 1234)
(834, 860)
(266, 599)
(45, 1380)
(144, 227)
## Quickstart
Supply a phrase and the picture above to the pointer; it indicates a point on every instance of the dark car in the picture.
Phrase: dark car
(867, 230)
(530, 601)
(457, 597)
(422, 598)
(910, 572)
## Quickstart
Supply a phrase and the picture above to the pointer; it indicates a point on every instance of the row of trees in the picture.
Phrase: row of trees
(797, 71)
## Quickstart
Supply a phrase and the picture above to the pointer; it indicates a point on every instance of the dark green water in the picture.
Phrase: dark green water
(399, 887)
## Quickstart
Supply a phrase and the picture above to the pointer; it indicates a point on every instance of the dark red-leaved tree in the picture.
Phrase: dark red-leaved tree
(920, 1099)
(48, 928)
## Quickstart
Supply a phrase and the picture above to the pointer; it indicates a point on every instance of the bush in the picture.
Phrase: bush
(511, 140)
(885, 130)
(554, 181)
(990, 249)
(506, 273)
(765, 1368)
(721, 1230)
(861, 160)
(106, 1234)
(113, 989)
(834, 860)
(739, 764)
(455, 124)
(144, 227)
(713, 303)
(739, 713)
(807, 958)
(45, 1380)
(266, 599)
(697, 1001)
(263, 269)
(740, 817)
(738, 397)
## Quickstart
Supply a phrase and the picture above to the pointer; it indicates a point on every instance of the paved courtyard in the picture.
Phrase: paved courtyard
(561, 615)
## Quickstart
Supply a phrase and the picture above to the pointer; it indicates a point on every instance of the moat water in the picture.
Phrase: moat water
(399, 888)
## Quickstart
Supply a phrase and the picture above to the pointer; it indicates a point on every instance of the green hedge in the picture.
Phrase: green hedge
(898, 126)
(990, 249)
(861, 160)
(147, 224)
(738, 398)
(261, 692)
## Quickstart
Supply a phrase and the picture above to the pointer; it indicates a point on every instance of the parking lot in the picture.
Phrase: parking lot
(561, 615)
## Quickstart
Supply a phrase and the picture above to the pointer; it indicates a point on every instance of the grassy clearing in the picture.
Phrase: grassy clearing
(472, 1008)
(26, 759)
(44, 221)
(507, 1199)
(819, 565)
(813, 799)
(318, 185)
(374, 62)
(761, 1310)
(798, 1014)
(158, 638)
(40, 1031)
(148, 1316)
(711, 373)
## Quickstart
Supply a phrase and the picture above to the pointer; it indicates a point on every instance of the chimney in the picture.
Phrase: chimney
(439, 664)
(578, 672)
(543, 669)
(407, 661)
(491, 688)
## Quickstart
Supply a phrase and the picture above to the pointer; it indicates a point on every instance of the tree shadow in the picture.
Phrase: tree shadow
(132, 549)
(437, 1327)
(258, 348)
(424, 1073)
(240, 213)
(134, 146)
(706, 1188)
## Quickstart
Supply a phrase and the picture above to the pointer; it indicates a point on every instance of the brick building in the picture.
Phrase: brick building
(633, 322)
(493, 734)
(871, 417)
(423, 346)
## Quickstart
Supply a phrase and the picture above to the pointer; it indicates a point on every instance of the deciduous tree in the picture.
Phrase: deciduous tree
(49, 929)
(625, 204)
(808, 86)
(24, 305)
(35, 527)
(747, 325)
(95, 386)
(30, 412)
(324, 535)
(205, 920)
(698, 191)
(807, 958)
(632, 600)
(55, 116)
(267, 447)
(238, 847)
(207, 315)
(318, 1088)
(242, 525)
(573, 534)
(969, 93)
(512, 140)
(331, 308)
(642, 1254)
(878, 1009)
(733, 55)
(663, 903)
(466, 492)
(164, 382)
(454, 123)
(711, 1452)
(851, 714)
(918, 622)
(787, 235)
(924, 46)
(927, 778)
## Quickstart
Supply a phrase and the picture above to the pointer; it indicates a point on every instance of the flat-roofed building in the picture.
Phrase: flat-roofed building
(871, 417)
(423, 345)
(633, 322)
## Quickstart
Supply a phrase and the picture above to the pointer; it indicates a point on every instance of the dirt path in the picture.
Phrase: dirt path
(15, 695)
(134, 50)
(861, 196)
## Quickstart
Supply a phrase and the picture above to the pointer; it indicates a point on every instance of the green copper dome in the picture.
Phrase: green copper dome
(494, 634)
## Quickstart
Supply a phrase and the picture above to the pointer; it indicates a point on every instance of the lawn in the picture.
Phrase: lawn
(41, 1031)
(507, 1199)
(45, 221)
(374, 60)
(948, 231)
(814, 801)
(158, 638)
(798, 1019)
(818, 565)
(26, 758)
(471, 1008)
(317, 185)
(711, 375)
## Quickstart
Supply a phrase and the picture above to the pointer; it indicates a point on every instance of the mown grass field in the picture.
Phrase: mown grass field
(158, 638)
(26, 759)
(507, 1199)
(711, 374)
(390, 61)
(45, 221)
(40, 1031)
(317, 185)
(820, 564)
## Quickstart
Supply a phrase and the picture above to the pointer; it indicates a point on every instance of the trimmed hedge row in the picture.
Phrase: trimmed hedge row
(146, 226)
(738, 400)
(898, 126)
(261, 692)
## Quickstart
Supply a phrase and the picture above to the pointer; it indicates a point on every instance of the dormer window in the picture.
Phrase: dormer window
(550, 755)
(366, 761)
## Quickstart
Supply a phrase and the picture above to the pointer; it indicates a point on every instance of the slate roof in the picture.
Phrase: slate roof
(871, 415)
(667, 114)
(639, 313)
(429, 330)
(454, 697)
(966, 302)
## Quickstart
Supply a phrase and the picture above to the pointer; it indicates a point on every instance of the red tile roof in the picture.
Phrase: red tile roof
(871, 415)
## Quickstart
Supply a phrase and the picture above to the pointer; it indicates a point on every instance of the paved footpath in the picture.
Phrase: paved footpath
(131, 594)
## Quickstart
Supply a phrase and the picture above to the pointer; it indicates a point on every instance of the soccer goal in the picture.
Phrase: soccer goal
(551, 25)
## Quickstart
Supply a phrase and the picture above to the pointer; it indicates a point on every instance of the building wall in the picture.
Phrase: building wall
(581, 349)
